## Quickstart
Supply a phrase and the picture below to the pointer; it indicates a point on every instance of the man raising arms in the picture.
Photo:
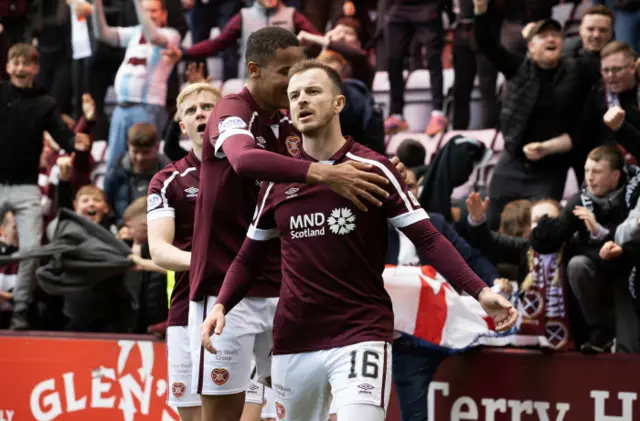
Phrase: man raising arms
(241, 137)
(334, 322)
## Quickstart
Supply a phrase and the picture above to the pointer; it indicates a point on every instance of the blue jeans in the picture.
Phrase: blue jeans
(413, 370)
(123, 119)
(628, 28)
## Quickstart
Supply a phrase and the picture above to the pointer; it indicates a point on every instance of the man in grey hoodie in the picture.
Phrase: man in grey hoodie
(130, 179)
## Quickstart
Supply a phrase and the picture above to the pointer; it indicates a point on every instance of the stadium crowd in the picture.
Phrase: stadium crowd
(75, 167)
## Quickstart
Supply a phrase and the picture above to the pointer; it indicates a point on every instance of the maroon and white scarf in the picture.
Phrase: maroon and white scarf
(543, 301)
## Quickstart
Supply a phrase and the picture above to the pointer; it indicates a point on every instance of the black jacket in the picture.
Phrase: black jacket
(85, 264)
(451, 167)
(610, 211)
(24, 115)
(502, 248)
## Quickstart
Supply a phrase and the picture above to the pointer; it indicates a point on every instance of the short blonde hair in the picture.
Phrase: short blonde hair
(194, 89)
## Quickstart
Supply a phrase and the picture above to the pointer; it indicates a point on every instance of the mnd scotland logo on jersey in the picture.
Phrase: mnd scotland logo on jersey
(340, 221)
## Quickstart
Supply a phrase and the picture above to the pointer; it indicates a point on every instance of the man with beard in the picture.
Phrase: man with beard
(538, 113)
(334, 323)
(245, 142)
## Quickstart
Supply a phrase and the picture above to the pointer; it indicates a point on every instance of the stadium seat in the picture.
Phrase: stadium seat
(232, 86)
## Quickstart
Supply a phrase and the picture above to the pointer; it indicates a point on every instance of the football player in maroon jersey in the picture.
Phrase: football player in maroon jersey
(171, 204)
(334, 321)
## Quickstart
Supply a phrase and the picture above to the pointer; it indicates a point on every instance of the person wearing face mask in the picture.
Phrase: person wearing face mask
(261, 14)
(538, 112)
(591, 216)
(611, 113)
(130, 179)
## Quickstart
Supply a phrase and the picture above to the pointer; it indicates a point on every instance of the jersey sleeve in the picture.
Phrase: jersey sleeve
(263, 227)
(402, 208)
(160, 196)
(231, 119)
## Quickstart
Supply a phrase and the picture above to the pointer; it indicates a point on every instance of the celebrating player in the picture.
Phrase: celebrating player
(334, 322)
(171, 203)
(241, 137)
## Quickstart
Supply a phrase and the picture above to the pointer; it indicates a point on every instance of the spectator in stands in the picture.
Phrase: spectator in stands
(48, 23)
(263, 13)
(596, 30)
(538, 113)
(141, 82)
(510, 244)
(412, 154)
(592, 215)
(104, 306)
(344, 40)
(130, 179)
(82, 168)
(627, 16)
(8, 272)
(467, 63)
(360, 118)
(611, 113)
(423, 19)
(148, 279)
(26, 113)
(204, 15)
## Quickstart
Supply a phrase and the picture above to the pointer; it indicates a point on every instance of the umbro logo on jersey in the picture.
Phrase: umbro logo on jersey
(292, 191)
(191, 191)
(261, 142)
(365, 388)
(340, 221)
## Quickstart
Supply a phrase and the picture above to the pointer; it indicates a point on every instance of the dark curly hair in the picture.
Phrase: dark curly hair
(263, 43)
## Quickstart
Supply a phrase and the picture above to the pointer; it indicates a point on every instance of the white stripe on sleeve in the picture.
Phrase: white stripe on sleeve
(161, 213)
(227, 134)
(408, 218)
(387, 172)
(256, 233)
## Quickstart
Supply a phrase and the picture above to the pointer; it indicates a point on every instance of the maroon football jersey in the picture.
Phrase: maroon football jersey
(172, 194)
(226, 202)
(333, 255)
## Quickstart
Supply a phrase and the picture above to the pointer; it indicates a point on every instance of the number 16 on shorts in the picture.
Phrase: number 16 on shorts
(364, 375)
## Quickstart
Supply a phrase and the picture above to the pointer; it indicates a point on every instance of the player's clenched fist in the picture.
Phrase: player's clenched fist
(214, 323)
(480, 6)
(614, 117)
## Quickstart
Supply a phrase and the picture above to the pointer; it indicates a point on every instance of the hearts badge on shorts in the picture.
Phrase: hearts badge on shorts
(178, 389)
(280, 410)
(219, 376)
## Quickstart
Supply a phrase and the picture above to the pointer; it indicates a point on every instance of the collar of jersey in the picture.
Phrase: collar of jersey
(335, 157)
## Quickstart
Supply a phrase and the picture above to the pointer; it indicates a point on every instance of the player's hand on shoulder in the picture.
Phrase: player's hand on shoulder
(352, 180)
(214, 323)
